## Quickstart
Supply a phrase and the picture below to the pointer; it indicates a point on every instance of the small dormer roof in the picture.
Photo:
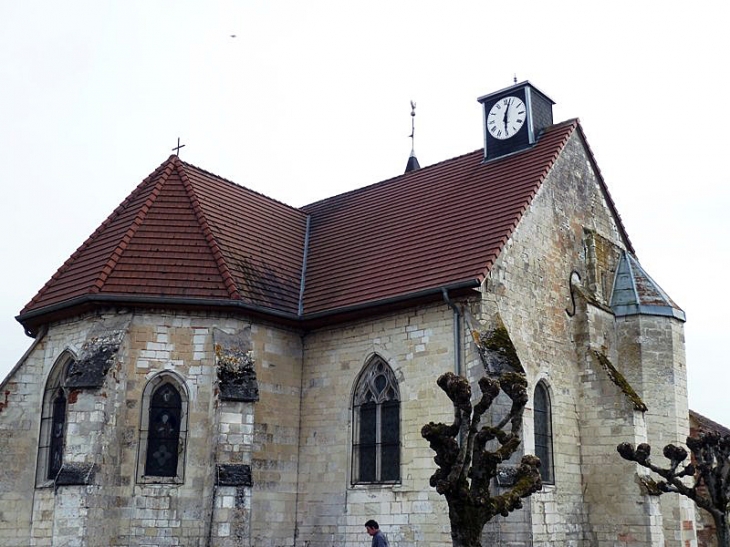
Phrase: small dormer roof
(636, 293)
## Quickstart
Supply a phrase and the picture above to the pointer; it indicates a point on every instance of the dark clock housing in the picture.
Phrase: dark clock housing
(539, 116)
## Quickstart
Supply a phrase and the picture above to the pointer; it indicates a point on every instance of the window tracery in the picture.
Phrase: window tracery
(163, 432)
(376, 420)
(52, 437)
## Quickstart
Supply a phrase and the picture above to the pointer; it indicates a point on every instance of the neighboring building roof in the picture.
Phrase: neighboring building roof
(185, 237)
(705, 424)
(634, 292)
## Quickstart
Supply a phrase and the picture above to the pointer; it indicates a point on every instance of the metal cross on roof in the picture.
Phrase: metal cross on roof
(178, 147)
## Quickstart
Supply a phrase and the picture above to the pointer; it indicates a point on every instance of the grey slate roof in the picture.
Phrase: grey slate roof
(634, 292)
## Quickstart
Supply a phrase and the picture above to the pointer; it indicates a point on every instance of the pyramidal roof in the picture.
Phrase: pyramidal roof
(187, 238)
(634, 292)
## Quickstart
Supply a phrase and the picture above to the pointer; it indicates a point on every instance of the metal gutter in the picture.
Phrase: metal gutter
(458, 359)
(236, 305)
(300, 309)
(469, 284)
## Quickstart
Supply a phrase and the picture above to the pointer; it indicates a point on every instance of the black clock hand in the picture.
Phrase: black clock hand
(506, 111)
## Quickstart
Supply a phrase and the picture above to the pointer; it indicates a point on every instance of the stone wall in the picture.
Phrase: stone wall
(652, 353)
(120, 505)
(419, 346)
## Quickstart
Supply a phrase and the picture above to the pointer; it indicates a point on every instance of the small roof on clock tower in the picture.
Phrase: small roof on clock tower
(519, 85)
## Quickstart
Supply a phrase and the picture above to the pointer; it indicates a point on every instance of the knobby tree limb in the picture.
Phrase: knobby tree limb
(709, 486)
(466, 469)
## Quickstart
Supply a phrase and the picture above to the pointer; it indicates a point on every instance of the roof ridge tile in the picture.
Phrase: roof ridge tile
(239, 186)
(133, 227)
(100, 229)
(403, 176)
(220, 260)
(535, 188)
(604, 188)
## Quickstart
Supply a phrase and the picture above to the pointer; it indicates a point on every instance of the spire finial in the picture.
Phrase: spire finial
(178, 147)
(514, 78)
(412, 164)
(413, 128)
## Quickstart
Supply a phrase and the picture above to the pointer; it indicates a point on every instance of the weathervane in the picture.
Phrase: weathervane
(413, 128)
(178, 147)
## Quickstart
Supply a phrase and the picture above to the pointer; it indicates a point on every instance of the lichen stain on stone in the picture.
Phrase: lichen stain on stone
(496, 348)
(97, 356)
(618, 379)
(648, 486)
(73, 396)
(234, 365)
(4, 403)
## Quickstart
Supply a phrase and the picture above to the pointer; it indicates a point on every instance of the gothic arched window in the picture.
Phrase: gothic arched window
(376, 425)
(544, 432)
(53, 422)
(164, 429)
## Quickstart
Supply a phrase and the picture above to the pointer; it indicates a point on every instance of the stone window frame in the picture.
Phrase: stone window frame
(544, 429)
(55, 385)
(364, 383)
(153, 384)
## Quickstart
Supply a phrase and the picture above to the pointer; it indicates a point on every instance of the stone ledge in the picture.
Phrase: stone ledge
(75, 474)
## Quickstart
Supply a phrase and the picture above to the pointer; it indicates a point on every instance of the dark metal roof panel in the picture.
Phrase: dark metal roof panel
(636, 293)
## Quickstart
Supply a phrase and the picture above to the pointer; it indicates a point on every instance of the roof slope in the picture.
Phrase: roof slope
(184, 233)
(706, 425)
(436, 227)
(186, 237)
(634, 292)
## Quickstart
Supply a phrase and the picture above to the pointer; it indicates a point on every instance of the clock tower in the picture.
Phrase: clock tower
(513, 119)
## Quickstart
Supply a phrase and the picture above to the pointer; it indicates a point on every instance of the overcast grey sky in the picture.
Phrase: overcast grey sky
(311, 99)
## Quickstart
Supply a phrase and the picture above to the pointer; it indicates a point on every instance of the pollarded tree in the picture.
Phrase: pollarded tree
(710, 474)
(467, 457)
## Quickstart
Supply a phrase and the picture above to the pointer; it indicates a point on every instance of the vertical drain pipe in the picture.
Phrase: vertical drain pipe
(457, 332)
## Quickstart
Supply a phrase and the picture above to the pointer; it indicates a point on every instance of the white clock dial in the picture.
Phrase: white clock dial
(506, 117)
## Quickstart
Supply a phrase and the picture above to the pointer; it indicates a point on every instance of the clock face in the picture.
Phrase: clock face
(506, 118)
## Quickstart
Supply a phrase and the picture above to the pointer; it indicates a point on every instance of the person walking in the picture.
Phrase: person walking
(373, 530)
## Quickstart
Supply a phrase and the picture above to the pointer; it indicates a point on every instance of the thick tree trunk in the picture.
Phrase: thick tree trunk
(721, 529)
(467, 524)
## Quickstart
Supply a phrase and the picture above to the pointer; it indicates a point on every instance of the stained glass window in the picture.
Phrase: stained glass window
(53, 422)
(163, 436)
(58, 427)
(376, 420)
(543, 433)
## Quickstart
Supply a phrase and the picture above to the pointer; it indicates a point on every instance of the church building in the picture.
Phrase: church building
(214, 368)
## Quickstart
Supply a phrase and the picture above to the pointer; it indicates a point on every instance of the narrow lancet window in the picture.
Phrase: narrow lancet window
(52, 437)
(544, 433)
(164, 432)
(376, 421)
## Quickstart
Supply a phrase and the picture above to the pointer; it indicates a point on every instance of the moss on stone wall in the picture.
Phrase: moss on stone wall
(619, 379)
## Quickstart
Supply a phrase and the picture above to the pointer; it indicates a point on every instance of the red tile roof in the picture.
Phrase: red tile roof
(187, 237)
(184, 233)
